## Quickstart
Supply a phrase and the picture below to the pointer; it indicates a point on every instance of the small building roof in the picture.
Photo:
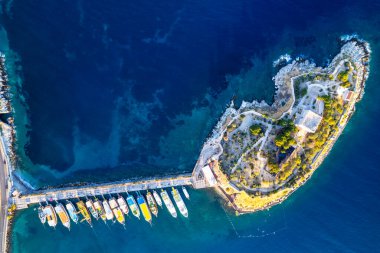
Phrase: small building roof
(308, 121)
(348, 95)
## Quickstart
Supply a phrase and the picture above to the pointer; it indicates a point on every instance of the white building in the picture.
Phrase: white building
(209, 176)
(308, 121)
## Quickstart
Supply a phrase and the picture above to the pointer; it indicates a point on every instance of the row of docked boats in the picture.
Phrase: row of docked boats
(113, 209)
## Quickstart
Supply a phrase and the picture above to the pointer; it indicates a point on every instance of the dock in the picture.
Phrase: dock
(23, 201)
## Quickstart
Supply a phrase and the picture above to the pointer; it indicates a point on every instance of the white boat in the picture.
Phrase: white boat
(133, 206)
(50, 215)
(107, 209)
(62, 214)
(157, 198)
(99, 208)
(90, 206)
(185, 192)
(72, 211)
(168, 203)
(179, 202)
(41, 214)
(123, 205)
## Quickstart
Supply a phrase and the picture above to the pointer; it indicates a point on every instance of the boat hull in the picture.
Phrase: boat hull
(179, 202)
(133, 206)
(168, 203)
(51, 216)
(62, 215)
(144, 208)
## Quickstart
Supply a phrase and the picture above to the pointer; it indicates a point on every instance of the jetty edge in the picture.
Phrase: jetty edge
(259, 154)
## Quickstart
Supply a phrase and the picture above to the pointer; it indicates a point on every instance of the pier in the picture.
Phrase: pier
(23, 201)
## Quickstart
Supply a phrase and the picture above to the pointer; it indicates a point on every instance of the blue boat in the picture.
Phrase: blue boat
(133, 206)
(72, 211)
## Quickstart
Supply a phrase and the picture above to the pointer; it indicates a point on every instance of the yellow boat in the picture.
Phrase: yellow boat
(119, 215)
(116, 211)
(144, 208)
(62, 214)
(83, 210)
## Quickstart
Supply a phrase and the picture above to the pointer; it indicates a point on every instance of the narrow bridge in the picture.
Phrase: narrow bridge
(23, 201)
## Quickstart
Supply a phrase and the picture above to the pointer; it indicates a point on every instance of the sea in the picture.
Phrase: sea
(110, 90)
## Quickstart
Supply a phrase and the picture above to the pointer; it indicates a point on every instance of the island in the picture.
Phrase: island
(258, 154)
(254, 158)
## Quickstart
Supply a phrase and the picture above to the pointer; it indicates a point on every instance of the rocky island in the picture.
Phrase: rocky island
(259, 154)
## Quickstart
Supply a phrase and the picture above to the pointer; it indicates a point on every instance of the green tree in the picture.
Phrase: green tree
(255, 129)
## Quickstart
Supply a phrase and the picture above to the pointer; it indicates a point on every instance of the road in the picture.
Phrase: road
(3, 196)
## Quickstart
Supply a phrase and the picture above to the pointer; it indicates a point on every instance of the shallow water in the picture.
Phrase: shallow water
(119, 90)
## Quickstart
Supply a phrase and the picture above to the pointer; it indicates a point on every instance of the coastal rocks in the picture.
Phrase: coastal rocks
(6, 122)
(5, 106)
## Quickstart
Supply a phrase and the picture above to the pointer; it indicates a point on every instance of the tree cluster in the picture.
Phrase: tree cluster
(284, 139)
(255, 129)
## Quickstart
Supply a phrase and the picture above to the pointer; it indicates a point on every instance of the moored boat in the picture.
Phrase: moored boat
(90, 206)
(62, 214)
(41, 214)
(152, 204)
(100, 210)
(107, 209)
(185, 192)
(50, 215)
(123, 205)
(179, 202)
(144, 208)
(157, 198)
(119, 215)
(83, 210)
(116, 211)
(72, 211)
(168, 203)
(133, 206)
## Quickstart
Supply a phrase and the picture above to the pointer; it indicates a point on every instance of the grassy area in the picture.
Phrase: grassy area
(250, 202)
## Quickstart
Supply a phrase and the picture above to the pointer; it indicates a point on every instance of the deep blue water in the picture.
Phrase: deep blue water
(117, 89)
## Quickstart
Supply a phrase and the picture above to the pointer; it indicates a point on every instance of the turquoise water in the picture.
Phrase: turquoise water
(120, 89)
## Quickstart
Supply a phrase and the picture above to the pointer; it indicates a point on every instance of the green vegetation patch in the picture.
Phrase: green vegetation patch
(284, 139)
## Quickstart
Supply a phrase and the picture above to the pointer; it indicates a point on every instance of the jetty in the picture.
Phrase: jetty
(23, 201)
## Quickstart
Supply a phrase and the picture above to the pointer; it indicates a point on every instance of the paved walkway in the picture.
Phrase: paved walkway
(3, 195)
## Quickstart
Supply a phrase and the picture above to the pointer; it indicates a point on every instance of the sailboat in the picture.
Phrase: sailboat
(50, 215)
(116, 210)
(185, 192)
(133, 206)
(144, 208)
(100, 210)
(83, 210)
(107, 209)
(91, 208)
(62, 214)
(157, 198)
(123, 205)
(168, 203)
(179, 202)
(41, 214)
(152, 204)
(72, 211)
